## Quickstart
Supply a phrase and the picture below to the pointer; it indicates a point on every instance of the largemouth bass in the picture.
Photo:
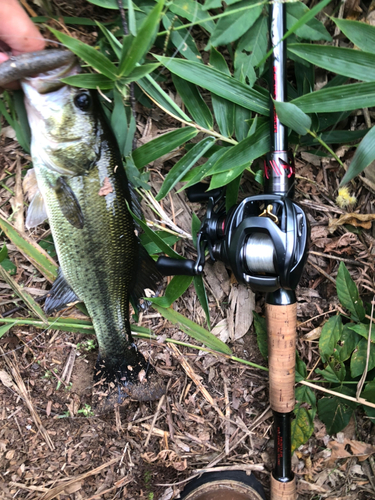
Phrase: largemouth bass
(85, 192)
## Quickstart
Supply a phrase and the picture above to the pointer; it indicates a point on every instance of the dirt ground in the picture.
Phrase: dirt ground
(216, 411)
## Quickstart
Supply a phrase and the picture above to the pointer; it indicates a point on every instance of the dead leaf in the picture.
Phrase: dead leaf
(240, 314)
(356, 220)
(6, 379)
(348, 448)
(106, 188)
(72, 488)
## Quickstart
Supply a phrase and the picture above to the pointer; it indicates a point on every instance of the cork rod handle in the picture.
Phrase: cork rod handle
(281, 327)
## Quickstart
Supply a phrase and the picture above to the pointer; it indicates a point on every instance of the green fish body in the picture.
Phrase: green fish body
(81, 179)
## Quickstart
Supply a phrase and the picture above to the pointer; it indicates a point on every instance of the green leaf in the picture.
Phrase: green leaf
(260, 326)
(301, 369)
(360, 33)
(225, 178)
(3, 253)
(362, 330)
(112, 40)
(193, 330)
(89, 81)
(5, 328)
(293, 117)
(364, 155)
(223, 109)
(197, 174)
(358, 359)
(193, 12)
(177, 287)
(26, 297)
(234, 25)
(21, 126)
(302, 426)
(348, 295)
(334, 373)
(9, 267)
(64, 324)
(346, 345)
(131, 18)
(162, 145)
(334, 413)
(341, 98)
(193, 102)
(91, 56)
(202, 297)
(254, 41)
(119, 121)
(347, 62)
(302, 22)
(140, 72)
(244, 152)
(153, 236)
(331, 333)
(151, 247)
(369, 392)
(217, 82)
(181, 39)
(157, 95)
(31, 250)
(142, 41)
(305, 394)
(106, 4)
(184, 165)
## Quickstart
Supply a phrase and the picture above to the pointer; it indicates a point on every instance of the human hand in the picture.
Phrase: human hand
(18, 34)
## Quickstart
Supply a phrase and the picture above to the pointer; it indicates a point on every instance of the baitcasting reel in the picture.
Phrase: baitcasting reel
(263, 240)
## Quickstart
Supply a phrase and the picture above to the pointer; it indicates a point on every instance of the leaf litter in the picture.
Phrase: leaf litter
(215, 412)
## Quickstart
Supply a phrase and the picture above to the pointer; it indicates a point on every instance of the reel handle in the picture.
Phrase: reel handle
(171, 267)
(199, 192)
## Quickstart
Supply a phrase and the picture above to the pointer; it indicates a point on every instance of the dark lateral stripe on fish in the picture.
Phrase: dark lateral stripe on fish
(31, 63)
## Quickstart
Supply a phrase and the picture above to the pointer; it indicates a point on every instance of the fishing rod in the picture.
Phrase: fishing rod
(263, 240)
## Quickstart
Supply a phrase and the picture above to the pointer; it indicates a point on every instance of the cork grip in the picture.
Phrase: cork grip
(283, 491)
(281, 328)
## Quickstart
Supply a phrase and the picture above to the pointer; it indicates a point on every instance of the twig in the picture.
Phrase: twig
(334, 257)
(154, 420)
(361, 401)
(323, 272)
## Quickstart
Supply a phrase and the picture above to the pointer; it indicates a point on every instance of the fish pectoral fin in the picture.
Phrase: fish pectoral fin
(69, 204)
(36, 213)
(60, 295)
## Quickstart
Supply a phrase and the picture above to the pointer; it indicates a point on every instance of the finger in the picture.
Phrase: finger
(17, 30)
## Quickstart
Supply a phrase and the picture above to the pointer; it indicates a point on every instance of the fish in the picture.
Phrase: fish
(83, 190)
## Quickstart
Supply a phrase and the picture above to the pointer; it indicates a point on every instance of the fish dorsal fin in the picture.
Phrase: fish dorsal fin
(36, 213)
(60, 295)
(147, 275)
(69, 204)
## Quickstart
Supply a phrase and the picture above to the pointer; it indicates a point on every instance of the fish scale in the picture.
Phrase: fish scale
(81, 178)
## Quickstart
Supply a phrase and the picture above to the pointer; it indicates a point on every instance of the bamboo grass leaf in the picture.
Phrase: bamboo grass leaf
(364, 155)
(26, 297)
(302, 21)
(177, 287)
(181, 39)
(193, 12)
(178, 171)
(202, 297)
(347, 62)
(340, 98)
(91, 56)
(293, 117)
(194, 102)
(161, 98)
(218, 83)
(223, 109)
(33, 252)
(194, 330)
(142, 41)
(162, 145)
(360, 33)
(131, 18)
(234, 25)
(89, 81)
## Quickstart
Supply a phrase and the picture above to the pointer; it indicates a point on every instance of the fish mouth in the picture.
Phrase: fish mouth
(50, 81)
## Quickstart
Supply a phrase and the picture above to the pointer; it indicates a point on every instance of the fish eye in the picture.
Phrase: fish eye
(82, 101)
